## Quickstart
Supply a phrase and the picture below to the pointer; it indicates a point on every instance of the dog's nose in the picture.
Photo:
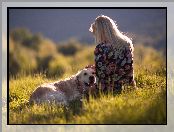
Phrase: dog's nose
(91, 78)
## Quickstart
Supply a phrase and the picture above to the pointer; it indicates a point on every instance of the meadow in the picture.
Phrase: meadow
(35, 60)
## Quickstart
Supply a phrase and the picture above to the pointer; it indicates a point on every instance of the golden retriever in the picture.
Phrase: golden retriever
(65, 91)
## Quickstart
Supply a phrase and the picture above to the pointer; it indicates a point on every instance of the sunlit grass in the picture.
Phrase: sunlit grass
(147, 105)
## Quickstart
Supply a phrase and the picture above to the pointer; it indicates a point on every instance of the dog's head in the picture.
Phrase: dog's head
(87, 76)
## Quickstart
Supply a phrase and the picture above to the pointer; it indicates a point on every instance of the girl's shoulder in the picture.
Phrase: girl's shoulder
(103, 45)
(103, 48)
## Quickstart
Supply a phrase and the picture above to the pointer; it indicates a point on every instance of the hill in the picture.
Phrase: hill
(35, 60)
(147, 26)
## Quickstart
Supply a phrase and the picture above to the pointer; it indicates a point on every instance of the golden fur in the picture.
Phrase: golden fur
(64, 91)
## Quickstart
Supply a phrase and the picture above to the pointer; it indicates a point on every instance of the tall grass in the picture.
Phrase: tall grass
(147, 105)
(144, 106)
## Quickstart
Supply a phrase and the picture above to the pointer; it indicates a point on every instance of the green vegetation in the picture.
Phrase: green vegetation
(43, 61)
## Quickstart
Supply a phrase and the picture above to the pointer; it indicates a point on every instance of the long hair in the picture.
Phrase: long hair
(105, 30)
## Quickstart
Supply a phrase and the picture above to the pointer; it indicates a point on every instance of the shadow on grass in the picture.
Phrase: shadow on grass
(47, 113)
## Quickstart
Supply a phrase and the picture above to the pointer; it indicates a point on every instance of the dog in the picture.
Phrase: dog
(64, 91)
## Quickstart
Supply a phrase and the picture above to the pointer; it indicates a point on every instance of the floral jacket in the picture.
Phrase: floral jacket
(114, 67)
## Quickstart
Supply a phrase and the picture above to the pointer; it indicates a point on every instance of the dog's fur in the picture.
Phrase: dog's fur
(65, 91)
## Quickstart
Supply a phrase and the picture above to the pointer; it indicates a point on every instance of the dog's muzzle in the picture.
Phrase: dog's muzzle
(91, 81)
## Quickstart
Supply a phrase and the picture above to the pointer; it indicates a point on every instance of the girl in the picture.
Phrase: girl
(113, 55)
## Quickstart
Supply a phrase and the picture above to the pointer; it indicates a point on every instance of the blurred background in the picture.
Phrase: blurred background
(57, 42)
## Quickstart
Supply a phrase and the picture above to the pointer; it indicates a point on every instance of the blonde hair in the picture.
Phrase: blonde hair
(105, 30)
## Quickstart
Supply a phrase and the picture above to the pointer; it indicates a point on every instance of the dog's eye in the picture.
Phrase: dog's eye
(85, 73)
(93, 72)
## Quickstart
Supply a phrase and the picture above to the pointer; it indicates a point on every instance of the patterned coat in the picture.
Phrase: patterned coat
(114, 66)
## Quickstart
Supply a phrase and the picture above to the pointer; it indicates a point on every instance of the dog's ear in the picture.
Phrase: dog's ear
(78, 75)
